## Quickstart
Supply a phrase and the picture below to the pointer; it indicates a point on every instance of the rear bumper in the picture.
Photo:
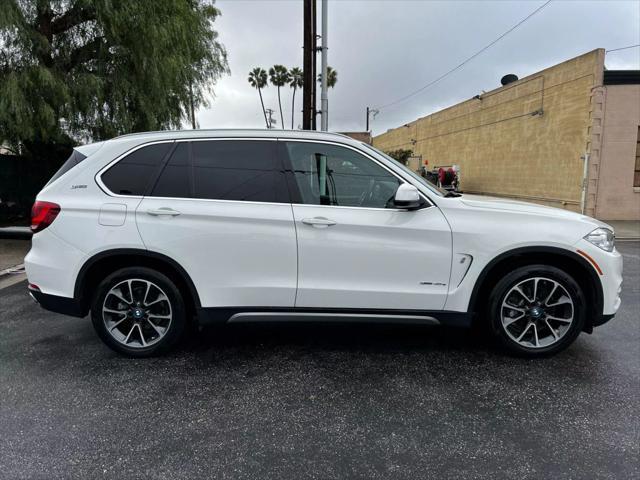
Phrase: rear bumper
(52, 264)
(53, 303)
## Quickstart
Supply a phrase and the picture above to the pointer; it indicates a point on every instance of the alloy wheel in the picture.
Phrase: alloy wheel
(537, 312)
(137, 313)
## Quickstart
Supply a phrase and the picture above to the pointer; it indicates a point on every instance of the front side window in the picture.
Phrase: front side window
(333, 175)
(441, 192)
(246, 170)
(133, 174)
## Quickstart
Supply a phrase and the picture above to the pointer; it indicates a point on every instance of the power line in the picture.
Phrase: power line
(467, 60)
(622, 48)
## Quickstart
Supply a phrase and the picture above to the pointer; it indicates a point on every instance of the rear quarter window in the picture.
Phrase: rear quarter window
(133, 174)
(74, 159)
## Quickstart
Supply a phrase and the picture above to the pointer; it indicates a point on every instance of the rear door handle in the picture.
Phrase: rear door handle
(163, 211)
(318, 222)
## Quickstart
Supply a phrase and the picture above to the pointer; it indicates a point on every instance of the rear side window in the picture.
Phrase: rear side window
(238, 170)
(133, 174)
(174, 180)
(74, 159)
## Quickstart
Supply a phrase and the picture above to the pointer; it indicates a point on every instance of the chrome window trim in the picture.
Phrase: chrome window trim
(98, 176)
(364, 154)
(105, 189)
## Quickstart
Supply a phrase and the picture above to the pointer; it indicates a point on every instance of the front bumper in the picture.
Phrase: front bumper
(610, 265)
(602, 319)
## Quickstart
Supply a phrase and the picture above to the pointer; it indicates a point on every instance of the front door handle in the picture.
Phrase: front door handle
(163, 211)
(318, 222)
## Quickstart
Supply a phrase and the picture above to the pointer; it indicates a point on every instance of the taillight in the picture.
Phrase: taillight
(43, 214)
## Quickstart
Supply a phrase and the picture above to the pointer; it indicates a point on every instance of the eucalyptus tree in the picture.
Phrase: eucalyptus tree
(258, 80)
(78, 70)
(279, 77)
(296, 80)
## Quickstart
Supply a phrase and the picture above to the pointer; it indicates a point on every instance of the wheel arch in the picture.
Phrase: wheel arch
(572, 263)
(96, 268)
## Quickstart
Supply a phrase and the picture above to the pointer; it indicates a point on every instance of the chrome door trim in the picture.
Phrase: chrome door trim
(246, 317)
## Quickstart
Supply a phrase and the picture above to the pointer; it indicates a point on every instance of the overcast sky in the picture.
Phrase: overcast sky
(384, 50)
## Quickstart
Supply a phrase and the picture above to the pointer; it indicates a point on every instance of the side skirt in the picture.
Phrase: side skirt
(208, 316)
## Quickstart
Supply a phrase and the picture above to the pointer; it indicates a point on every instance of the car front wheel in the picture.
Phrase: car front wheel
(138, 312)
(537, 310)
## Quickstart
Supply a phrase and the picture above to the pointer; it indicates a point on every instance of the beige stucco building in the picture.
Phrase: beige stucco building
(530, 139)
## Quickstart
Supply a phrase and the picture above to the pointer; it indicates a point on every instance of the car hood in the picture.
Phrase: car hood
(506, 204)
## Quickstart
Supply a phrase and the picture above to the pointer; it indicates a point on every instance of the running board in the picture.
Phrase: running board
(251, 317)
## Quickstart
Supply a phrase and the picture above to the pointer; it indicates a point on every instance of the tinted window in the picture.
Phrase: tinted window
(132, 174)
(333, 175)
(174, 179)
(237, 170)
(74, 159)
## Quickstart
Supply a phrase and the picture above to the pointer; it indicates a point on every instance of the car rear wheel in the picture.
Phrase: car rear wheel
(537, 310)
(138, 312)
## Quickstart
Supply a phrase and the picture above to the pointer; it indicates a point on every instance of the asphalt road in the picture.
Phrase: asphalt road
(317, 402)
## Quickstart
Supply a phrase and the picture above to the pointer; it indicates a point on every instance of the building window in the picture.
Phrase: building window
(636, 173)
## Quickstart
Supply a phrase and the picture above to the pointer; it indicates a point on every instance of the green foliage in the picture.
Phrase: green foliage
(296, 80)
(401, 155)
(279, 77)
(258, 80)
(332, 77)
(74, 70)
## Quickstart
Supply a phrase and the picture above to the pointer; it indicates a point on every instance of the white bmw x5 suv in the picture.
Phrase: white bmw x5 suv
(148, 232)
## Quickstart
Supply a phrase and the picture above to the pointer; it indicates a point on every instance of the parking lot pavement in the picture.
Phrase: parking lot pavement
(317, 402)
(12, 252)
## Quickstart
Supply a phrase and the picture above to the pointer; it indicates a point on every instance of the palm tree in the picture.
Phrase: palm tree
(332, 77)
(258, 80)
(296, 80)
(279, 77)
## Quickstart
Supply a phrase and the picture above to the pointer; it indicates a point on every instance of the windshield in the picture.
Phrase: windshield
(438, 191)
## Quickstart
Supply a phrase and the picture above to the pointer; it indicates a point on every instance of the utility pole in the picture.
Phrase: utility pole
(369, 112)
(308, 64)
(314, 66)
(324, 101)
(193, 113)
(270, 112)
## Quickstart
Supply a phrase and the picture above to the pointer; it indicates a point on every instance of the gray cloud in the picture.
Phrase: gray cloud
(384, 50)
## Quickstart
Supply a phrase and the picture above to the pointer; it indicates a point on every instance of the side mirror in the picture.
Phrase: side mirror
(407, 197)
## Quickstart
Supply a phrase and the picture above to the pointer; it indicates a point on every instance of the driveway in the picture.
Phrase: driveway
(313, 401)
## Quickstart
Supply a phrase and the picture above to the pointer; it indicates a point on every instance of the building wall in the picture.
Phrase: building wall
(361, 136)
(616, 197)
(525, 140)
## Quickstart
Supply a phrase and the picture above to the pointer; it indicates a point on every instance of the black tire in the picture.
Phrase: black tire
(174, 302)
(516, 277)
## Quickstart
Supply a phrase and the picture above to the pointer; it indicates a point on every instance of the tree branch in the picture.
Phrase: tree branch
(79, 55)
(72, 17)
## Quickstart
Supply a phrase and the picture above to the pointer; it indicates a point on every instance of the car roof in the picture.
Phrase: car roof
(144, 137)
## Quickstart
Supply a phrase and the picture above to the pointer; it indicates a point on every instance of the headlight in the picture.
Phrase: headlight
(602, 238)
